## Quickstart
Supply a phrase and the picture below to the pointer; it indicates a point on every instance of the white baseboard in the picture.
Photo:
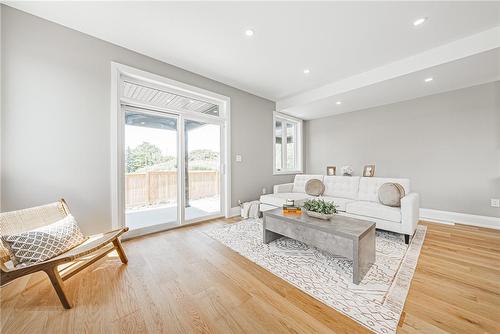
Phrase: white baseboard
(451, 218)
(233, 212)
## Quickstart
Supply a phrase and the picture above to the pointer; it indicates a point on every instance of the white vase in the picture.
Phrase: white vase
(319, 215)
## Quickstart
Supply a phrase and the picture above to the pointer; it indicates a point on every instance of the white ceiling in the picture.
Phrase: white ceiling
(465, 72)
(335, 40)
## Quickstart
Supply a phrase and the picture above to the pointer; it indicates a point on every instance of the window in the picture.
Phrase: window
(287, 143)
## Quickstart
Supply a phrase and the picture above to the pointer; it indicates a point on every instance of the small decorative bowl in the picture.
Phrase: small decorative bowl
(319, 215)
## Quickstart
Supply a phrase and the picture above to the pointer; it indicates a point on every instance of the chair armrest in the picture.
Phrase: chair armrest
(4, 268)
(283, 188)
(410, 207)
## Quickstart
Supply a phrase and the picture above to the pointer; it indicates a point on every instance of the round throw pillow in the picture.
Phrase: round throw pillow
(390, 194)
(314, 187)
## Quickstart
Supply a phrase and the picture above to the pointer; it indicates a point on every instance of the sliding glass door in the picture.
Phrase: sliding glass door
(151, 171)
(202, 169)
(163, 189)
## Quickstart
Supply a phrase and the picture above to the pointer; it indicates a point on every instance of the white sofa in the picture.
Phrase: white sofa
(355, 197)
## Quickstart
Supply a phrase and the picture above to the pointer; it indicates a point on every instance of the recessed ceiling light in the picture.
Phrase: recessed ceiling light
(307, 71)
(249, 32)
(419, 21)
(428, 79)
(338, 102)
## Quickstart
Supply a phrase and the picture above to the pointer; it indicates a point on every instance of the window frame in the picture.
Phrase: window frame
(285, 119)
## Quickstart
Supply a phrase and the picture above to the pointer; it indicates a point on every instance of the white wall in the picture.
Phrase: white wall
(55, 120)
(447, 144)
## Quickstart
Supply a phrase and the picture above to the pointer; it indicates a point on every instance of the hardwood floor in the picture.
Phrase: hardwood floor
(182, 281)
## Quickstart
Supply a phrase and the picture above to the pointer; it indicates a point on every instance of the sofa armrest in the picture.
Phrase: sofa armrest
(410, 208)
(283, 188)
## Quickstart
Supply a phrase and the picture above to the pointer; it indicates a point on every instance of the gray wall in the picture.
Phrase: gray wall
(55, 120)
(447, 144)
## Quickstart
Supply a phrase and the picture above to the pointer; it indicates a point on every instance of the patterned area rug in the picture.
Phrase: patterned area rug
(377, 302)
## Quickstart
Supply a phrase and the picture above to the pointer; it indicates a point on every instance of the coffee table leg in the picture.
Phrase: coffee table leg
(268, 236)
(364, 256)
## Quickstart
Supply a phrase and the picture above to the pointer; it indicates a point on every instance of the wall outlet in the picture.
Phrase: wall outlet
(264, 191)
(239, 158)
(495, 202)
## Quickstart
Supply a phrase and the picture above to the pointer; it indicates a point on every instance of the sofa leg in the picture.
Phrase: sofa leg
(407, 239)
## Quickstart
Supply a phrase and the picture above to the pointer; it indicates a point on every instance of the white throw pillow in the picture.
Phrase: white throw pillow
(44, 242)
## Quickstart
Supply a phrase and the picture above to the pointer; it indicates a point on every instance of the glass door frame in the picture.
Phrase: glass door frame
(181, 167)
(120, 72)
(166, 225)
(222, 173)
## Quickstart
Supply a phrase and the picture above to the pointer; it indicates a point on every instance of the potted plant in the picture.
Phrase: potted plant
(347, 171)
(319, 208)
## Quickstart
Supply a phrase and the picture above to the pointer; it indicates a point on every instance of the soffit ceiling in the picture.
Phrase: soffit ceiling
(146, 95)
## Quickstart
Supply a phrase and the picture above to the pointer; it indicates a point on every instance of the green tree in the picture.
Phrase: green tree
(143, 155)
(203, 155)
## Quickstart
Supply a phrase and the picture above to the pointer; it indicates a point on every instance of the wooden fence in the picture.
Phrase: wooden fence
(158, 187)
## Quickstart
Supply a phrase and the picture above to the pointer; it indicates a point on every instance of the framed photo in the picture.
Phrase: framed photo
(331, 170)
(369, 171)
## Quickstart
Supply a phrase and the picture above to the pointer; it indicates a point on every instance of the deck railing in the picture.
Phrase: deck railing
(157, 187)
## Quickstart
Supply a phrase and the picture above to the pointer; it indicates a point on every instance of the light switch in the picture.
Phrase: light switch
(239, 158)
(495, 202)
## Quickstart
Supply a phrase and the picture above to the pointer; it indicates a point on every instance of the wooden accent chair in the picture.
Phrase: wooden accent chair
(83, 255)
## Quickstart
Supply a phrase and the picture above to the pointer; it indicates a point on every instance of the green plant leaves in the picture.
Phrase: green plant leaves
(320, 206)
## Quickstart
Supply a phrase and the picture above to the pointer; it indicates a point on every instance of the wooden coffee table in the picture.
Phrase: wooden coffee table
(348, 237)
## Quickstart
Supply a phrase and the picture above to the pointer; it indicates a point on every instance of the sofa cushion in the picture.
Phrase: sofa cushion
(375, 210)
(299, 183)
(340, 202)
(315, 187)
(368, 187)
(279, 199)
(391, 193)
(341, 186)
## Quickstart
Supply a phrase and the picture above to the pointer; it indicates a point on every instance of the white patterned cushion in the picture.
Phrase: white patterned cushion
(375, 210)
(279, 199)
(341, 186)
(44, 242)
(340, 202)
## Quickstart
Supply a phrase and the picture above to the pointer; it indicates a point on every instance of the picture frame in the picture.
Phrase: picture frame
(369, 171)
(331, 170)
